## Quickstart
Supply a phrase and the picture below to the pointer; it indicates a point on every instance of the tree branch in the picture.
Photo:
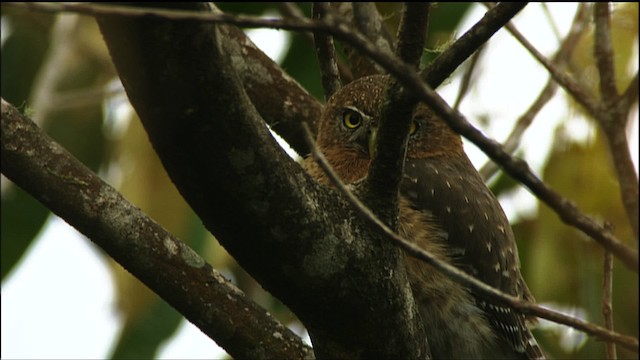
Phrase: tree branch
(603, 53)
(289, 10)
(560, 58)
(387, 164)
(161, 261)
(446, 63)
(607, 307)
(612, 119)
(367, 20)
(301, 243)
(326, 54)
(567, 83)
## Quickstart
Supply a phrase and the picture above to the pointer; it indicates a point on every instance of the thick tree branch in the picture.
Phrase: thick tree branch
(301, 243)
(287, 105)
(164, 263)
(367, 20)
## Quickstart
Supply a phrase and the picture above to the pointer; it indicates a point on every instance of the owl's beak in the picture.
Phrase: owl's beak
(372, 139)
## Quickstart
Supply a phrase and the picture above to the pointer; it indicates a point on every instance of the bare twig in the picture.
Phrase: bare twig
(607, 308)
(290, 10)
(49, 76)
(454, 273)
(569, 84)
(465, 82)
(326, 54)
(603, 53)
(612, 120)
(630, 96)
(444, 65)
(552, 23)
(523, 123)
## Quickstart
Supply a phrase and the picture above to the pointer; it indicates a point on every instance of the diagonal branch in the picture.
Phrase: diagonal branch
(161, 261)
(560, 58)
(446, 63)
(290, 10)
(567, 83)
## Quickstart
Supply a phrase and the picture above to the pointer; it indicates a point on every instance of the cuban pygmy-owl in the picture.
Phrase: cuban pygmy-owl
(445, 208)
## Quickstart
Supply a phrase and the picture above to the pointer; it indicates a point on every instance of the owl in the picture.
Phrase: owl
(445, 208)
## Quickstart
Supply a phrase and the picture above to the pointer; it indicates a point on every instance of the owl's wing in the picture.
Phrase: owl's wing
(478, 233)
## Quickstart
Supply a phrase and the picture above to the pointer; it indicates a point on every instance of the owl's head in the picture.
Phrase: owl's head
(351, 117)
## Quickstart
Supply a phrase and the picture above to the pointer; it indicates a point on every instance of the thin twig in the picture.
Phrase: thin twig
(603, 53)
(291, 10)
(451, 271)
(630, 96)
(326, 53)
(465, 82)
(612, 120)
(607, 307)
(522, 124)
(444, 65)
(568, 83)
(552, 24)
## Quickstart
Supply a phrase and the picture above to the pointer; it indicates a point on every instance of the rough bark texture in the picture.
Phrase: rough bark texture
(297, 239)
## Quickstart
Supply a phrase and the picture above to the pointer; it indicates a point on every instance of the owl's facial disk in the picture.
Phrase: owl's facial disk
(363, 128)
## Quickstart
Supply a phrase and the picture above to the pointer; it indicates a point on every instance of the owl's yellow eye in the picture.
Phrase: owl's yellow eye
(351, 119)
(413, 128)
